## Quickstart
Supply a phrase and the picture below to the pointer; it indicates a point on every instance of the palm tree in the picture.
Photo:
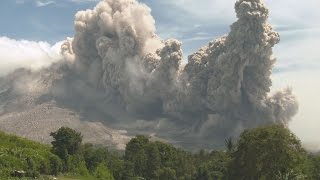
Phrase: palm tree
(229, 144)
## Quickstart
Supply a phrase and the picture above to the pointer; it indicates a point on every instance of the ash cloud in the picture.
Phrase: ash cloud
(118, 70)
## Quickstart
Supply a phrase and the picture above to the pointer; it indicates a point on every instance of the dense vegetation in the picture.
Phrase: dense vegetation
(269, 152)
(21, 154)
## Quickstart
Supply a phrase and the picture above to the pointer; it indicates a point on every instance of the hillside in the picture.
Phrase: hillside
(20, 157)
(19, 154)
(27, 110)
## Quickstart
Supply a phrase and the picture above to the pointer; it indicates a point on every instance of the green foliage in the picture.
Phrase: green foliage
(37, 160)
(93, 156)
(270, 152)
(102, 172)
(136, 154)
(55, 164)
(152, 160)
(24, 155)
(66, 142)
(314, 166)
(291, 175)
(166, 173)
(229, 144)
(264, 151)
(77, 165)
(213, 166)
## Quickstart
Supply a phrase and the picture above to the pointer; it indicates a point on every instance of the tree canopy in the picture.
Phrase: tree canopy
(265, 152)
(66, 142)
(268, 152)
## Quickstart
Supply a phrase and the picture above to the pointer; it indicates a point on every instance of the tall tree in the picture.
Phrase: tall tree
(264, 152)
(153, 161)
(66, 142)
(136, 153)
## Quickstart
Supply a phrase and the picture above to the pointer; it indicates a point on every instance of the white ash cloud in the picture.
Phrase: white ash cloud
(224, 85)
(120, 69)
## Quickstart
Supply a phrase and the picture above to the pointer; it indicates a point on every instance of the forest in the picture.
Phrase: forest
(266, 152)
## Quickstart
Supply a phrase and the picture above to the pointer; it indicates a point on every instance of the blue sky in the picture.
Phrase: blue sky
(31, 29)
(27, 19)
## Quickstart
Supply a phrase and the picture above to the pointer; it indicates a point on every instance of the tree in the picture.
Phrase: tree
(55, 165)
(93, 156)
(153, 161)
(314, 166)
(214, 166)
(66, 142)
(136, 153)
(166, 173)
(229, 144)
(102, 172)
(264, 152)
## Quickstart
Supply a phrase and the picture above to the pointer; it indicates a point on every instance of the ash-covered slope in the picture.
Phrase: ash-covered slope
(118, 71)
(26, 110)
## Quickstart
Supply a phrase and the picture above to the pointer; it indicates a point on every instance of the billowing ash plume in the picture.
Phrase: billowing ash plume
(119, 67)
(224, 86)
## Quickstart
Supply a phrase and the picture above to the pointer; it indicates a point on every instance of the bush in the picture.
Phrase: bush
(22, 154)
(102, 172)
(55, 165)
(5, 172)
